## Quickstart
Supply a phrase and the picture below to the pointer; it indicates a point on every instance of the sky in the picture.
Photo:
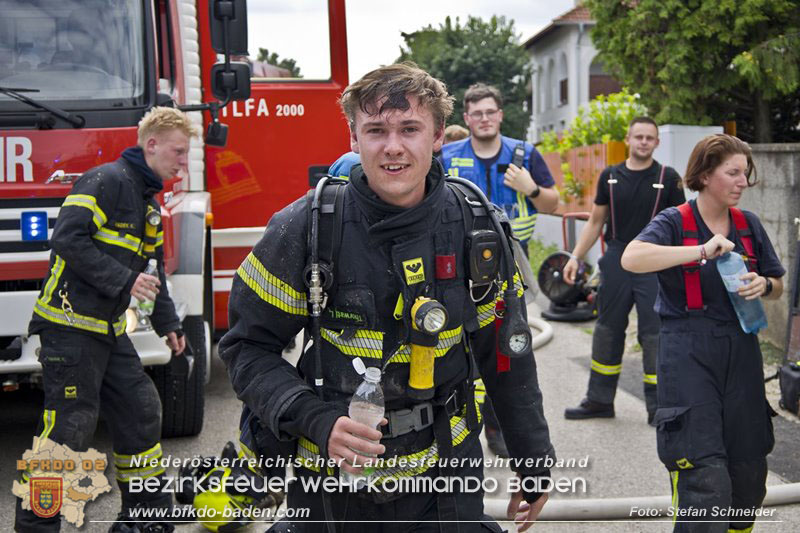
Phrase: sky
(298, 28)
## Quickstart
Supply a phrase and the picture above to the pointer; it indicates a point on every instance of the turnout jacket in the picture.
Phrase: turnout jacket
(388, 257)
(100, 244)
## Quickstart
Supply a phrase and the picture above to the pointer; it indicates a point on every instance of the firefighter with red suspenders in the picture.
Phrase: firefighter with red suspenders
(628, 196)
(713, 419)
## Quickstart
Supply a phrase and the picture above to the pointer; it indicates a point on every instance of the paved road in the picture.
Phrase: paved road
(620, 453)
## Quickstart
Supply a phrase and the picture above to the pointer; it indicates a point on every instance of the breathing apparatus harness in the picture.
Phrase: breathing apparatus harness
(484, 266)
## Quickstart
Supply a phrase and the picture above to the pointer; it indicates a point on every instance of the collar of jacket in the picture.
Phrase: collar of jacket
(134, 156)
(388, 222)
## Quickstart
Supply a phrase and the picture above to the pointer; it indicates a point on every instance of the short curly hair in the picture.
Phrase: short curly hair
(160, 119)
(710, 153)
(479, 91)
(390, 87)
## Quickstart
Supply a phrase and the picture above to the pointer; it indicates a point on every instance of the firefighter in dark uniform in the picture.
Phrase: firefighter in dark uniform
(402, 236)
(108, 228)
(714, 422)
(628, 196)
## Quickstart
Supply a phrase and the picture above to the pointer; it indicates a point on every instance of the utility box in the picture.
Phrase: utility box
(677, 143)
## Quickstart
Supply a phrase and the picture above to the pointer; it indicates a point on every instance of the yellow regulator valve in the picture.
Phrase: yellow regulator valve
(428, 318)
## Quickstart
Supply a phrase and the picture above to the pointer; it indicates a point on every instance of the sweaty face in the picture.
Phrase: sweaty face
(642, 140)
(483, 118)
(167, 153)
(396, 149)
(726, 183)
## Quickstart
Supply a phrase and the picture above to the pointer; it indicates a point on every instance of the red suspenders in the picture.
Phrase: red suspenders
(691, 237)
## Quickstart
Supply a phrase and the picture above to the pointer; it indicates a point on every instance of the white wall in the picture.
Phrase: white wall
(578, 49)
(677, 143)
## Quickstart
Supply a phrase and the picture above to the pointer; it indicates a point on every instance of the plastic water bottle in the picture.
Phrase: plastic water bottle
(146, 306)
(366, 407)
(750, 312)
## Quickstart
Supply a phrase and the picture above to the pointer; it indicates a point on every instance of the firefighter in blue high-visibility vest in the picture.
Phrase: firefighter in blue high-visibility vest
(511, 173)
(713, 418)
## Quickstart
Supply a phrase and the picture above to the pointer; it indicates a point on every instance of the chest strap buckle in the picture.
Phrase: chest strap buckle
(403, 421)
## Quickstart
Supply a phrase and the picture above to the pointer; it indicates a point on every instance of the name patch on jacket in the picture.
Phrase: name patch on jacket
(345, 317)
(414, 271)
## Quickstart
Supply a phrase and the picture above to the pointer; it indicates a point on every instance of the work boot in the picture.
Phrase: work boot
(589, 409)
(494, 437)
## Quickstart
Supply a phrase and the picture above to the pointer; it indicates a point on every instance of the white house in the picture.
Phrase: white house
(566, 72)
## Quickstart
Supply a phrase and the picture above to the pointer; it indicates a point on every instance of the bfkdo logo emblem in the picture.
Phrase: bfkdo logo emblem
(46, 496)
(414, 271)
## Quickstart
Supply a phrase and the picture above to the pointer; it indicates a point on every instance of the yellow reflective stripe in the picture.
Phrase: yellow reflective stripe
(453, 172)
(486, 313)
(159, 238)
(606, 370)
(49, 419)
(125, 461)
(523, 226)
(115, 238)
(365, 343)
(480, 396)
(408, 465)
(87, 323)
(745, 530)
(56, 315)
(55, 275)
(119, 325)
(650, 379)
(674, 476)
(447, 339)
(139, 473)
(270, 288)
(517, 284)
(462, 162)
(522, 205)
(89, 202)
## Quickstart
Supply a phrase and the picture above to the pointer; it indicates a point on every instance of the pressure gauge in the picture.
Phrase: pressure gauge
(518, 342)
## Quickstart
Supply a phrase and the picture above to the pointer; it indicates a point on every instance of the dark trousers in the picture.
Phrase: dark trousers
(714, 422)
(619, 291)
(417, 512)
(84, 377)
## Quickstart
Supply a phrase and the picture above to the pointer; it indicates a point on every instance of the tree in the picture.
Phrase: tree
(605, 119)
(272, 59)
(706, 61)
(478, 51)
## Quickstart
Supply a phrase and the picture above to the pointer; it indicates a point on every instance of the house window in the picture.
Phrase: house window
(563, 91)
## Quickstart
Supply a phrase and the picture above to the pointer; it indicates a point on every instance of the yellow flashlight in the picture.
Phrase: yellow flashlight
(428, 318)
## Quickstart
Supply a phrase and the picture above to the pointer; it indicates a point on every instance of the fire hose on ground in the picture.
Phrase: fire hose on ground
(620, 508)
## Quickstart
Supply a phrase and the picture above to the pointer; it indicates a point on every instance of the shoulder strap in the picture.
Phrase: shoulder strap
(744, 232)
(660, 188)
(691, 270)
(471, 208)
(611, 181)
(330, 224)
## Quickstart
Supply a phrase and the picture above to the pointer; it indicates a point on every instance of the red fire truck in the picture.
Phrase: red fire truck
(76, 76)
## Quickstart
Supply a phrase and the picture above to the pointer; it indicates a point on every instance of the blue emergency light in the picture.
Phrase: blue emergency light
(33, 225)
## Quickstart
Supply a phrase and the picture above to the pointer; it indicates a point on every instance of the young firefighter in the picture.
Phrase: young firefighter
(628, 196)
(713, 418)
(402, 236)
(105, 233)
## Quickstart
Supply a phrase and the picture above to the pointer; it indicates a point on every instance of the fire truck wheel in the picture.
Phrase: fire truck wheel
(182, 398)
